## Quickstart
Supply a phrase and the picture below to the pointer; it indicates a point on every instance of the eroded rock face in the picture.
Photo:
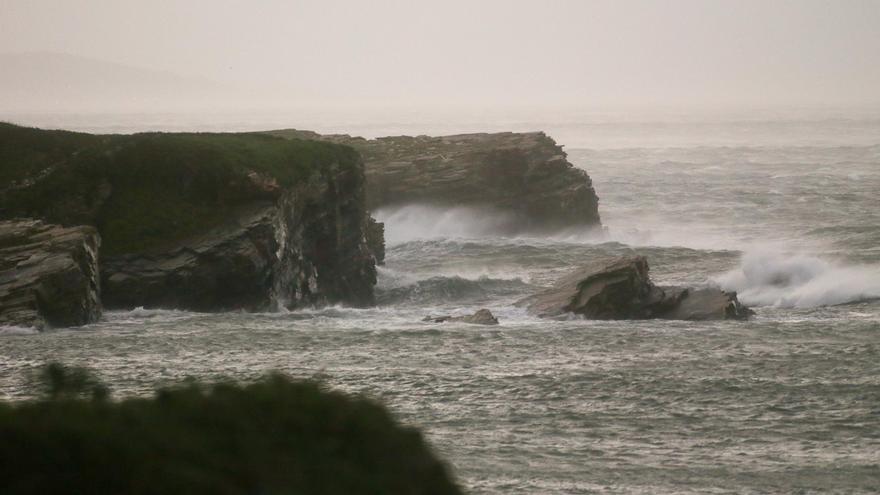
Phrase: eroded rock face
(376, 240)
(48, 274)
(309, 247)
(202, 221)
(481, 317)
(526, 175)
(620, 289)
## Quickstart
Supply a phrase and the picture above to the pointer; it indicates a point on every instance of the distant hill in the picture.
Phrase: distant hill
(47, 81)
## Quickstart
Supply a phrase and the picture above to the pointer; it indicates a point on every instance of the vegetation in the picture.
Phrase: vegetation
(147, 190)
(275, 436)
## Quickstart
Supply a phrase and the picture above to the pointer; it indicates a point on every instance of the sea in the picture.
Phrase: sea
(781, 206)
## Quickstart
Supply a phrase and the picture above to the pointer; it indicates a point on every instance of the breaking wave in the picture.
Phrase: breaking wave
(442, 289)
(419, 222)
(17, 330)
(767, 278)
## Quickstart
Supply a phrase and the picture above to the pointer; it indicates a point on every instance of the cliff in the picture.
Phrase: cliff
(523, 174)
(48, 275)
(201, 221)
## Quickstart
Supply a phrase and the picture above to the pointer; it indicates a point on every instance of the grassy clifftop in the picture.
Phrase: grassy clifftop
(146, 190)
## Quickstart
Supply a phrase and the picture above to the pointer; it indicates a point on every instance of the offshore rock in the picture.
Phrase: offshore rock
(48, 274)
(481, 317)
(620, 289)
(526, 175)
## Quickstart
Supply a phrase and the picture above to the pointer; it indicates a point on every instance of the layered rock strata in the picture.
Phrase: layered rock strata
(307, 248)
(620, 289)
(48, 275)
(205, 222)
(525, 175)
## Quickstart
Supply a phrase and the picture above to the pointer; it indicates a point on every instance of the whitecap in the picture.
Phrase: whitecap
(17, 330)
(773, 278)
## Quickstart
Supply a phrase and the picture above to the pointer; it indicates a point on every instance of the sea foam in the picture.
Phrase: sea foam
(772, 278)
(416, 222)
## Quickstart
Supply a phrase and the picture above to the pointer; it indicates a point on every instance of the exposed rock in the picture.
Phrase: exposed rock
(709, 304)
(524, 174)
(308, 248)
(620, 289)
(48, 274)
(481, 317)
(203, 221)
(376, 240)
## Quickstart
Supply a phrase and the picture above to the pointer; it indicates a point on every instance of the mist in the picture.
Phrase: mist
(133, 55)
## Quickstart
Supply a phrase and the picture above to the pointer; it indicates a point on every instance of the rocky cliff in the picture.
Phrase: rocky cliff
(202, 221)
(48, 275)
(523, 174)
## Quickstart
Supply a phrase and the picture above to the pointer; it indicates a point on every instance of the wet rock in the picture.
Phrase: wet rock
(307, 248)
(48, 274)
(375, 235)
(481, 317)
(205, 222)
(524, 175)
(620, 289)
(709, 304)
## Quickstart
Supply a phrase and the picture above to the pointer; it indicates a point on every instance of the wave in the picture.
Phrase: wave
(16, 330)
(768, 278)
(441, 289)
(141, 315)
(419, 222)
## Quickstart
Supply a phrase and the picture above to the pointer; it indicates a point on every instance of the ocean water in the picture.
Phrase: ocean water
(783, 209)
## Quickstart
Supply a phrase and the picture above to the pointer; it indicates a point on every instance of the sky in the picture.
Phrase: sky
(550, 52)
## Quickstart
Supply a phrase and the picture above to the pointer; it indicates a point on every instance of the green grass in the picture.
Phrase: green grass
(147, 190)
(275, 436)
(25, 151)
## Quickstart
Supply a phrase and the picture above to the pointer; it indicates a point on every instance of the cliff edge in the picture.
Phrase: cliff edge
(201, 221)
(526, 175)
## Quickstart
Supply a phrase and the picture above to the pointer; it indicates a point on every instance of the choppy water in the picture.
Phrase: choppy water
(787, 402)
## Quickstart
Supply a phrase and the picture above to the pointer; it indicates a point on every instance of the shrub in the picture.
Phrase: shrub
(275, 436)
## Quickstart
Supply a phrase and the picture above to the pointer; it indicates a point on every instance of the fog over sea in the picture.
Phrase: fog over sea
(783, 207)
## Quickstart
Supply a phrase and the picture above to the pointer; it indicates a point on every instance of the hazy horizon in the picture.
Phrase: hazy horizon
(565, 54)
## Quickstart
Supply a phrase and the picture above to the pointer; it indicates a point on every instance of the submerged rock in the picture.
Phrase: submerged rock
(481, 317)
(620, 289)
(524, 175)
(48, 275)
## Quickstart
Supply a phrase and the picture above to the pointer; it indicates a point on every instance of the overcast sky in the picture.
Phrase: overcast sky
(575, 52)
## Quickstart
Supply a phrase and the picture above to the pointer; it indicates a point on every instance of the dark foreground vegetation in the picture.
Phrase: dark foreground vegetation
(275, 436)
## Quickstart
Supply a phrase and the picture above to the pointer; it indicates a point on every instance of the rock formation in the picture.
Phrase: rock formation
(620, 289)
(481, 317)
(376, 240)
(48, 275)
(525, 175)
(204, 222)
(307, 248)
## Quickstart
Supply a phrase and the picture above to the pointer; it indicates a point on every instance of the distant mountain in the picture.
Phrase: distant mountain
(47, 81)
